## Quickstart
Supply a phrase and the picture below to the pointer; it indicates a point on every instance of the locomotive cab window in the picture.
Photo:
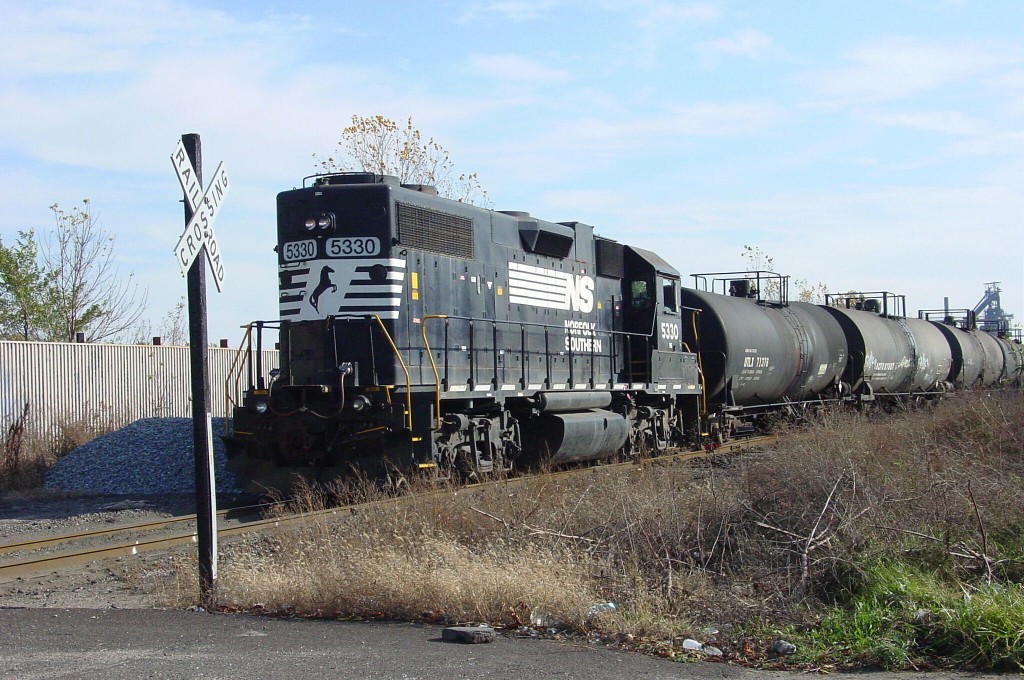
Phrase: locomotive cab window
(670, 296)
(640, 294)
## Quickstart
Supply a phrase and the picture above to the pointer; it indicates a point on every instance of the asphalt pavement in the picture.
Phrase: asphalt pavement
(40, 643)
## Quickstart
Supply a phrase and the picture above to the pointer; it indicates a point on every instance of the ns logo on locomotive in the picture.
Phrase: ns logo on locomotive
(420, 334)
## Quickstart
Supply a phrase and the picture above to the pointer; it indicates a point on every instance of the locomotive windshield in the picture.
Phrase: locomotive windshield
(668, 287)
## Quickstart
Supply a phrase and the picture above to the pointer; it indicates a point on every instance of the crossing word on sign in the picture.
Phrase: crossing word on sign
(199, 232)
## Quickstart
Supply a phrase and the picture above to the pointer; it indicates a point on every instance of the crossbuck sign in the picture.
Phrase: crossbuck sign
(199, 232)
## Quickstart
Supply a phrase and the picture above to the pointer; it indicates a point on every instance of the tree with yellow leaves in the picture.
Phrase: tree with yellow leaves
(380, 145)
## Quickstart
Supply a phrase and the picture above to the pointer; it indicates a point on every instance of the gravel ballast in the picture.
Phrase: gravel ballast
(149, 456)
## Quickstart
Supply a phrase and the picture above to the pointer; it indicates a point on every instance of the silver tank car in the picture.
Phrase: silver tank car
(967, 352)
(889, 353)
(993, 364)
(980, 358)
(934, 358)
(757, 352)
(881, 354)
(1013, 360)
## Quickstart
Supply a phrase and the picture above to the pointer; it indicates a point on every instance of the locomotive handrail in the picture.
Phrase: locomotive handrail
(242, 359)
(627, 335)
(405, 369)
(433, 365)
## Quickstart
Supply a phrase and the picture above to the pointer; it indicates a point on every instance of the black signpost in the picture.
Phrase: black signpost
(192, 250)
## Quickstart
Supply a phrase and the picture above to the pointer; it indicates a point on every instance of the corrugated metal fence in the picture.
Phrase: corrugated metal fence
(66, 383)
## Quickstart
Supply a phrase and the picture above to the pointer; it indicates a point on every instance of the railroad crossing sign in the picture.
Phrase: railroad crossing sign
(199, 232)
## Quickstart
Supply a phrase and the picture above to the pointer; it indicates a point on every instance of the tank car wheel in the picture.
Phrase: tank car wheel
(715, 437)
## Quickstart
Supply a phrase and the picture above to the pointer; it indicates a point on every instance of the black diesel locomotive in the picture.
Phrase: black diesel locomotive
(418, 333)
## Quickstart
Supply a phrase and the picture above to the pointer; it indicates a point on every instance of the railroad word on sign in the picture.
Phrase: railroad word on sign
(199, 232)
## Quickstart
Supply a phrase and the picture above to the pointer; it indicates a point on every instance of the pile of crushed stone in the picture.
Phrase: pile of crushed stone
(149, 456)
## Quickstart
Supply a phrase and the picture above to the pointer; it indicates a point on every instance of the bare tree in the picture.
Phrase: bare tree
(88, 293)
(378, 144)
(758, 260)
(810, 292)
(172, 329)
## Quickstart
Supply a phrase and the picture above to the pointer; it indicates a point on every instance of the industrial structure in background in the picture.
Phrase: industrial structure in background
(989, 313)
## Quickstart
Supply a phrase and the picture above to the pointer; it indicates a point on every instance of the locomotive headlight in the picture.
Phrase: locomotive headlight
(261, 407)
(324, 221)
(310, 224)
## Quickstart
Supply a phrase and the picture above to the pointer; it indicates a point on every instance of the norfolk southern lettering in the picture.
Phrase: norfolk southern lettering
(581, 336)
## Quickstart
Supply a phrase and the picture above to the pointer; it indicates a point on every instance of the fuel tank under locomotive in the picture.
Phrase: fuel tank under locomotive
(755, 353)
(577, 426)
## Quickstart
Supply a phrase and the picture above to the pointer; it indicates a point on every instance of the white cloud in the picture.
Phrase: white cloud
(516, 68)
(661, 17)
(109, 36)
(945, 122)
(897, 68)
(662, 130)
(747, 42)
(660, 23)
(512, 10)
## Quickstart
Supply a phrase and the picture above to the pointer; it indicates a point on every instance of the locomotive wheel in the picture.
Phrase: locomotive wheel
(396, 483)
(465, 467)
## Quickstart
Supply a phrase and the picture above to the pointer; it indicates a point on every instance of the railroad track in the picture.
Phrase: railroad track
(31, 557)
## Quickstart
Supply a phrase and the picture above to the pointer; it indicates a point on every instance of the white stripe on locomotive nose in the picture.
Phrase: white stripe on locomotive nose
(381, 289)
(349, 275)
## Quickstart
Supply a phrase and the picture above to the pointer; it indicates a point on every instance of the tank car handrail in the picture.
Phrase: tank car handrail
(700, 282)
(899, 302)
(962, 318)
(700, 363)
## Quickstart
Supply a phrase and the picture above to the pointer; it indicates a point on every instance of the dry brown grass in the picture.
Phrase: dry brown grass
(27, 455)
(763, 538)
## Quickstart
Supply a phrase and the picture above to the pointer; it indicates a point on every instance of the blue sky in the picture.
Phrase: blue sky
(864, 145)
